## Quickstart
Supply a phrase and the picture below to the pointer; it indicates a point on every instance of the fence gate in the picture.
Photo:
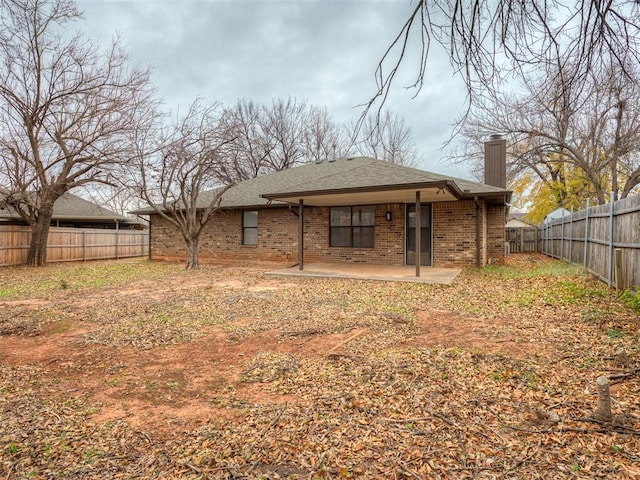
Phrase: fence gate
(522, 239)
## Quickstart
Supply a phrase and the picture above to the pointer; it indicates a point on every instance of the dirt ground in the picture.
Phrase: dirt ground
(138, 384)
(179, 359)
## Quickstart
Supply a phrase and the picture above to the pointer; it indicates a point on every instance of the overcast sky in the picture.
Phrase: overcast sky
(324, 51)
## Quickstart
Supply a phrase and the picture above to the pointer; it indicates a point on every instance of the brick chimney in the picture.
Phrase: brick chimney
(495, 161)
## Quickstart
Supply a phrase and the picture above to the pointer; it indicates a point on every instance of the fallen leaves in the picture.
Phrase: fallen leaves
(379, 399)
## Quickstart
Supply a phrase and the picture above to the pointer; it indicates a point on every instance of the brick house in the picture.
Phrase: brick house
(354, 210)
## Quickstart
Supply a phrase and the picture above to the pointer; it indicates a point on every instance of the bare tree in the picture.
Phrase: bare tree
(276, 137)
(246, 156)
(386, 136)
(67, 110)
(284, 130)
(182, 180)
(488, 41)
(587, 133)
(116, 197)
(323, 138)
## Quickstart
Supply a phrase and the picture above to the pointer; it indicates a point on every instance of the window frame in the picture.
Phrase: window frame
(356, 227)
(246, 228)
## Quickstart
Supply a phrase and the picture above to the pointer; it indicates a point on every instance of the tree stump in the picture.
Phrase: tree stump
(603, 412)
(621, 359)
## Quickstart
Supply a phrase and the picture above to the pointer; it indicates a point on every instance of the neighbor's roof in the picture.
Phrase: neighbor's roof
(557, 213)
(345, 175)
(72, 207)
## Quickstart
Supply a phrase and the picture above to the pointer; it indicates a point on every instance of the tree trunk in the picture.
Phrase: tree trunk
(37, 256)
(192, 254)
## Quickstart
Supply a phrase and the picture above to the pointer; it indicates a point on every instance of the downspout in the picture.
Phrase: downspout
(478, 232)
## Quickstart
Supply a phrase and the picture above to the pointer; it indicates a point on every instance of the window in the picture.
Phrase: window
(250, 227)
(352, 226)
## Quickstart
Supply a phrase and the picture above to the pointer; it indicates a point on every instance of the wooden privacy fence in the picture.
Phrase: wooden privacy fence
(522, 239)
(73, 244)
(604, 239)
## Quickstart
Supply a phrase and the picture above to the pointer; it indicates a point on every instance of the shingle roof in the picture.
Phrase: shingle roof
(332, 175)
(362, 172)
(72, 207)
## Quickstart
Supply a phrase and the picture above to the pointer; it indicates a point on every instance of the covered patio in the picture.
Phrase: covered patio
(361, 271)
(334, 194)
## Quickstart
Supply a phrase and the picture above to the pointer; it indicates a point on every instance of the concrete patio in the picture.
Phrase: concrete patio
(389, 273)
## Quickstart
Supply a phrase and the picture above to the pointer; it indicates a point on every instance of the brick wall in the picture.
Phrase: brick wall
(496, 220)
(388, 242)
(221, 238)
(454, 237)
(454, 234)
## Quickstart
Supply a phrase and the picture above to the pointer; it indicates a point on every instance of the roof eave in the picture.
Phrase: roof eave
(88, 218)
(449, 184)
(503, 197)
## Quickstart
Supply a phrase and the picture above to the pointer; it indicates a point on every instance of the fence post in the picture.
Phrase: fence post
(571, 236)
(521, 240)
(546, 239)
(611, 210)
(84, 245)
(562, 237)
(620, 283)
(586, 236)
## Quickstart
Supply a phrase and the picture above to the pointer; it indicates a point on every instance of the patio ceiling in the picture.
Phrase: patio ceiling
(440, 192)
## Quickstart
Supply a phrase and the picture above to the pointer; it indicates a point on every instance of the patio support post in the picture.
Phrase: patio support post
(418, 240)
(301, 235)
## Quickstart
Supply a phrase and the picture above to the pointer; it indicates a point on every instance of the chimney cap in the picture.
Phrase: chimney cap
(495, 136)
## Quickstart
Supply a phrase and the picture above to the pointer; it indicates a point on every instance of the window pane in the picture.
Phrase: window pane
(411, 219)
(340, 216)
(411, 238)
(250, 236)
(365, 216)
(363, 237)
(250, 219)
(340, 237)
(425, 217)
